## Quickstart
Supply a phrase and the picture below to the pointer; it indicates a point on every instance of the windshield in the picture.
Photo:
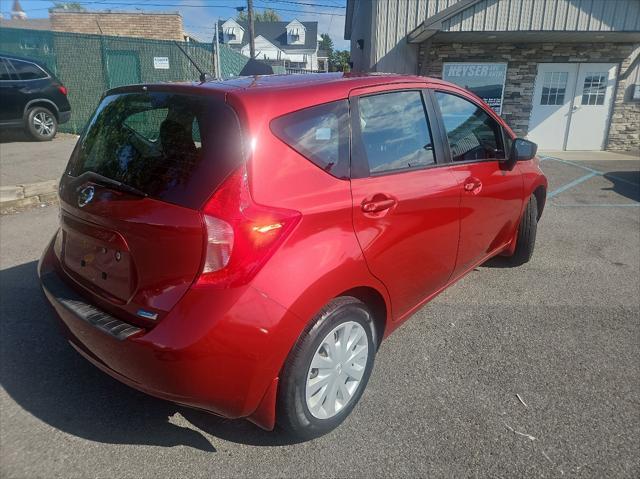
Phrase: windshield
(173, 147)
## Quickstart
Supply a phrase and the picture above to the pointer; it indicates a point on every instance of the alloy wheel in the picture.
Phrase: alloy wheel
(43, 123)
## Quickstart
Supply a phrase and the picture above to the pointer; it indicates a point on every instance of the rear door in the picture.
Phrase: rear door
(491, 195)
(405, 205)
(9, 96)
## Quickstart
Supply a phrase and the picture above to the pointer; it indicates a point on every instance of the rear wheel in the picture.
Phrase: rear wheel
(328, 369)
(526, 239)
(41, 124)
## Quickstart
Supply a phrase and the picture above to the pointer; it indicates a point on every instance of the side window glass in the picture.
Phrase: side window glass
(4, 70)
(319, 133)
(28, 71)
(472, 133)
(394, 131)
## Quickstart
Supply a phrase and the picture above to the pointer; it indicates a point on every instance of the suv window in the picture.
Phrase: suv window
(5, 74)
(27, 70)
(394, 132)
(472, 133)
(153, 142)
(319, 133)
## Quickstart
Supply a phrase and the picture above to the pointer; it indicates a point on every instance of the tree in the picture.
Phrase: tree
(339, 61)
(74, 6)
(326, 43)
(267, 15)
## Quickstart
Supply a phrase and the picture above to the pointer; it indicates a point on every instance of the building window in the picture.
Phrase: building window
(595, 85)
(554, 86)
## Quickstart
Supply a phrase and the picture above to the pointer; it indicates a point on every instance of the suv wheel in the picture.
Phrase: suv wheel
(328, 369)
(41, 124)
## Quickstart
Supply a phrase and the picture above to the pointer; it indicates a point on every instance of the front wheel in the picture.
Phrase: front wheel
(526, 239)
(327, 370)
(41, 124)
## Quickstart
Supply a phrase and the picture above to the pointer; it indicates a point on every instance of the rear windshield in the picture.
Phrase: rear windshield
(173, 147)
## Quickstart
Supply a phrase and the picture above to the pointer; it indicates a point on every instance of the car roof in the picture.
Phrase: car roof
(316, 82)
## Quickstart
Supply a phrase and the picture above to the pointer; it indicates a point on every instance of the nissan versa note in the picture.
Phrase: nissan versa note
(244, 246)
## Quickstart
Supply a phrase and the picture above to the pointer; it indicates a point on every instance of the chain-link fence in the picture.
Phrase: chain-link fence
(90, 64)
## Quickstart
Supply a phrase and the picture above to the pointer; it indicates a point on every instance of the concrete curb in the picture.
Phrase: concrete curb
(28, 194)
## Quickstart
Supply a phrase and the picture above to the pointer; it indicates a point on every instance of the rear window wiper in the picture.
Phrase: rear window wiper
(115, 184)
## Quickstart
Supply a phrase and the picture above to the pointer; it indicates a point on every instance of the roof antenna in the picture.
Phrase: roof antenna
(203, 75)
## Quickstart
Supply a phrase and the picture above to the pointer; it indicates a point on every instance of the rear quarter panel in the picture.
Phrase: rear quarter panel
(321, 258)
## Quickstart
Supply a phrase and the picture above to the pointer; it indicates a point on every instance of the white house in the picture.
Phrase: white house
(291, 44)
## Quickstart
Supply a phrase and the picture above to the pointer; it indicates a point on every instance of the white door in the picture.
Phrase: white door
(551, 109)
(591, 106)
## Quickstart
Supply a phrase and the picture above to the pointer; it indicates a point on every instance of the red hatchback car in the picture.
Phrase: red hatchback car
(244, 246)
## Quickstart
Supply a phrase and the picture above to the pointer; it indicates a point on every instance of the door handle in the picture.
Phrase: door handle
(473, 185)
(377, 205)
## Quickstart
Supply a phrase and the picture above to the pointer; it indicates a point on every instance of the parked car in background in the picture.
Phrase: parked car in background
(32, 98)
(244, 246)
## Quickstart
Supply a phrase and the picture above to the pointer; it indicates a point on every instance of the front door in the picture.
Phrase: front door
(571, 105)
(591, 106)
(491, 195)
(405, 205)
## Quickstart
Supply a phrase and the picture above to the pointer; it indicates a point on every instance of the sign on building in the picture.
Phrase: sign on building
(161, 63)
(484, 79)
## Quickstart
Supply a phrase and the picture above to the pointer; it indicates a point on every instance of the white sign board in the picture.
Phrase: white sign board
(484, 79)
(161, 63)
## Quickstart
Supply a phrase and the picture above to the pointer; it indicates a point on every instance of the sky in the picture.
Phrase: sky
(199, 16)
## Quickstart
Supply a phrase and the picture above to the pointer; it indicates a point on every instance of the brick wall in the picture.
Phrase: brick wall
(522, 63)
(163, 26)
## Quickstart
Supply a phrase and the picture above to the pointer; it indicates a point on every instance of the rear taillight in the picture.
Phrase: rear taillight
(240, 234)
(63, 89)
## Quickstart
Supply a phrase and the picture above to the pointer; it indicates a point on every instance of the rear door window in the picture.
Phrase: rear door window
(394, 132)
(320, 134)
(27, 70)
(174, 147)
(5, 74)
(472, 133)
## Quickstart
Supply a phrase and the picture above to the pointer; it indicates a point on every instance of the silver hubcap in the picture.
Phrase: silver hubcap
(43, 123)
(336, 370)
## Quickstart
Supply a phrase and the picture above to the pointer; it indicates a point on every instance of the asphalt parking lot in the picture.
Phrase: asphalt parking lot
(533, 371)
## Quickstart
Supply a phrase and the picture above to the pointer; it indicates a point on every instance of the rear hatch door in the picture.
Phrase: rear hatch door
(132, 232)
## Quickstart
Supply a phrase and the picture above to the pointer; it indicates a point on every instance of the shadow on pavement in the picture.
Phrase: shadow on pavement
(625, 183)
(10, 135)
(45, 376)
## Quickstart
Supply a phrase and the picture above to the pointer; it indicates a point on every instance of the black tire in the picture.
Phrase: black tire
(526, 239)
(293, 414)
(41, 124)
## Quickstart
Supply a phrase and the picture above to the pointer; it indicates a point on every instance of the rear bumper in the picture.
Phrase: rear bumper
(218, 350)
(64, 116)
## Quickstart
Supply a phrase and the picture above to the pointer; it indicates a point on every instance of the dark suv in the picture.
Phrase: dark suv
(31, 97)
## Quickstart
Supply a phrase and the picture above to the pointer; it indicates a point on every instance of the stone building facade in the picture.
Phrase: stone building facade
(523, 60)
(564, 73)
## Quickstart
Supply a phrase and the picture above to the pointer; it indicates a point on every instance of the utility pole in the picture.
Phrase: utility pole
(252, 43)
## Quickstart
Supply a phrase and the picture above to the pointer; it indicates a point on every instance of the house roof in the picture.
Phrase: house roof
(276, 33)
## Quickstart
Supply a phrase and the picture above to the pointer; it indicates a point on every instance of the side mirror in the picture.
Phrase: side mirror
(521, 150)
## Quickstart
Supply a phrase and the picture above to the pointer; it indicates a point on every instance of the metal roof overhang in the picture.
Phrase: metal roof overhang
(421, 34)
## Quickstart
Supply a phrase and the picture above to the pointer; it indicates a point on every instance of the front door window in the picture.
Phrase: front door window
(554, 87)
(594, 88)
